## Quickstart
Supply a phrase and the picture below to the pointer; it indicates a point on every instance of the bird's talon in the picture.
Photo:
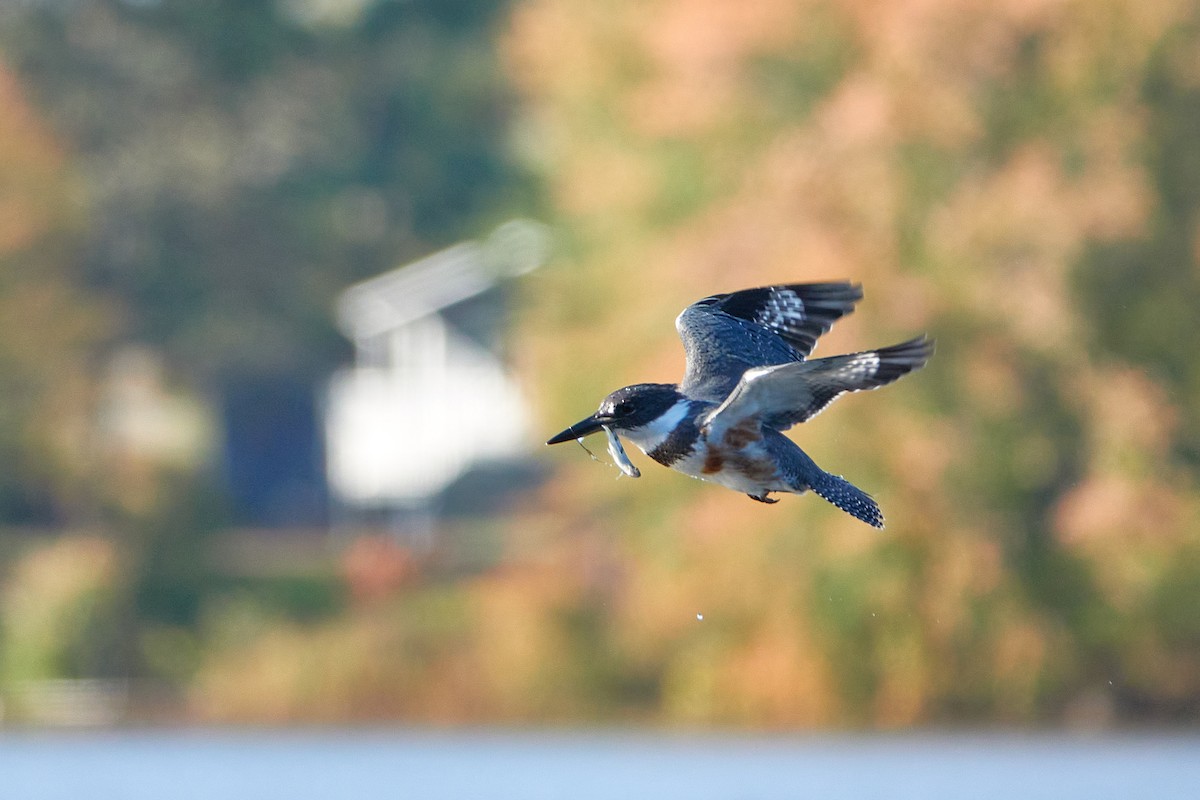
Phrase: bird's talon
(766, 498)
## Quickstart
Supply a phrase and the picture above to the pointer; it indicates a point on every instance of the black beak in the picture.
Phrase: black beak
(579, 430)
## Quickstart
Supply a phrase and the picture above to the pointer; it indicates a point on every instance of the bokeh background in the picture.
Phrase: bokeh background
(186, 189)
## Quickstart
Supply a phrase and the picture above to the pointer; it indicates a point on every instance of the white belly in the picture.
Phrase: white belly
(755, 481)
(747, 468)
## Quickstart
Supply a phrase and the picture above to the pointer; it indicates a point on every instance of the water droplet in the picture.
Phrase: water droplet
(700, 617)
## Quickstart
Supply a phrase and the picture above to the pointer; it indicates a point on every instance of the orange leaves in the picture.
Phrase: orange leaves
(375, 567)
(33, 197)
(961, 158)
(695, 51)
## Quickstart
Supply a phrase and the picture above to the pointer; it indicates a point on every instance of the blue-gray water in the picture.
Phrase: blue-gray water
(299, 765)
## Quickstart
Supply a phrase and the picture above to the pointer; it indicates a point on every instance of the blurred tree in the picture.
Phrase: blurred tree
(1016, 177)
(244, 161)
(216, 172)
(50, 329)
(1019, 178)
(50, 606)
(1142, 293)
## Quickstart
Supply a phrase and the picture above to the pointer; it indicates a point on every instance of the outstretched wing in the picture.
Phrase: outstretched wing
(782, 395)
(727, 334)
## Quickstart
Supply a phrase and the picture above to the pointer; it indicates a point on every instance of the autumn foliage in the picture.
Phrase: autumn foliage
(1019, 179)
(1012, 177)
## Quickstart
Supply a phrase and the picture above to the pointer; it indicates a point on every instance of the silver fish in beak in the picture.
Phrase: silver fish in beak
(618, 454)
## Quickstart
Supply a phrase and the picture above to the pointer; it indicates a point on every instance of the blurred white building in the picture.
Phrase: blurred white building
(428, 396)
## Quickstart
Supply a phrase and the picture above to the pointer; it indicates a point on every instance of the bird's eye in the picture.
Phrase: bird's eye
(622, 410)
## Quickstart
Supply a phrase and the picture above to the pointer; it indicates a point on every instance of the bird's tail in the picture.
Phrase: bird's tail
(848, 497)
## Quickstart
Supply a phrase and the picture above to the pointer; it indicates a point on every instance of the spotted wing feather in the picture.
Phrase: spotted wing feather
(727, 334)
(798, 313)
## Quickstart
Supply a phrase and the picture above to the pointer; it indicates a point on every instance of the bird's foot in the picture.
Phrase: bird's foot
(766, 498)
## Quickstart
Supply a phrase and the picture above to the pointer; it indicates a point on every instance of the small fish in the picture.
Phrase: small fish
(618, 455)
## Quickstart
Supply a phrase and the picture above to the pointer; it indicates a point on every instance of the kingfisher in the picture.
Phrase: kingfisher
(747, 379)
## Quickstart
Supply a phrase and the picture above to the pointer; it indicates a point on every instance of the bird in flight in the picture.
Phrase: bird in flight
(748, 378)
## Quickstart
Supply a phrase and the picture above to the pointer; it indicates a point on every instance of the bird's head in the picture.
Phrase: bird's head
(631, 407)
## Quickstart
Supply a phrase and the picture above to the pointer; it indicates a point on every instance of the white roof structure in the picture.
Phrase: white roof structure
(423, 402)
(378, 305)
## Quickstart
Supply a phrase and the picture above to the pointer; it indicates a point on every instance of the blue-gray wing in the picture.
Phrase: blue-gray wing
(727, 334)
(782, 395)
